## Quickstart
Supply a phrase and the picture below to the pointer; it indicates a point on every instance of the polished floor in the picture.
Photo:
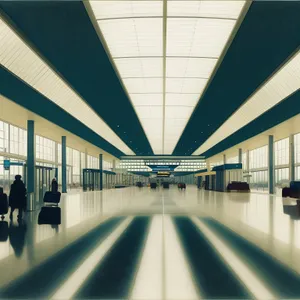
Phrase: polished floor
(138, 243)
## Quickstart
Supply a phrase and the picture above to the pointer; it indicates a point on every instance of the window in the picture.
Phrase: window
(258, 158)
(282, 177)
(3, 136)
(281, 151)
(45, 148)
(297, 148)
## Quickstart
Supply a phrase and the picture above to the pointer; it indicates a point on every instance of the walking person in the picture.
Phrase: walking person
(17, 196)
(54, 185)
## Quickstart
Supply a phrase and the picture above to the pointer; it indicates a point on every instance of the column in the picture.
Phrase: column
(208, 165)
(271, 164)
(56, 161)
(64, 163)
(240, 156)
(86, 158)
(224, 159)
(101, 171)
(30, 165)
(292, 158)
(114, 165)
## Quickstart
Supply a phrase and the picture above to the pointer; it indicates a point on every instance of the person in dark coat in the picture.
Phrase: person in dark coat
(17, 196)
(54, 185)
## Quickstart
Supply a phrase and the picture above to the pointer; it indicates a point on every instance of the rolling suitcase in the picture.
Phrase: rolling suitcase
(3, 231)
(50, 215)
(3, 205)
(52, 197)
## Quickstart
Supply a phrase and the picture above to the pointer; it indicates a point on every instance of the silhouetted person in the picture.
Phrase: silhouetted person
(17, 237)
(54, 186)
(17, 196)
(3, 203)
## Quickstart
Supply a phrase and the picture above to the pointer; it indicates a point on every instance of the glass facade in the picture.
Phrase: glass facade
(281, 152)
(233, 160)
(13, 146)
(258, 169)
(258, 158)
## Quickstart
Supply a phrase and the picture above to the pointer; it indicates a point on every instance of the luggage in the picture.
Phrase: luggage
(3, 231)
(286, 192)
(166, 185)
(3, 205)
(50, 215)
(153, 185)
(52, 197)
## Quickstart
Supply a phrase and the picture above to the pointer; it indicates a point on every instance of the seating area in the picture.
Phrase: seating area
(293, 191)
(238, 186)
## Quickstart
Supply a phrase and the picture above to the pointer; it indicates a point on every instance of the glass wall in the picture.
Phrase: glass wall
(258, 158)
(258, 169)
(45, 148)
(281, 155)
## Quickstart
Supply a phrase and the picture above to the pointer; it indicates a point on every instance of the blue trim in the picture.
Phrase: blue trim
(109, 172)
(20, 93)
(280, 113)
(64, 163)
(227, 167)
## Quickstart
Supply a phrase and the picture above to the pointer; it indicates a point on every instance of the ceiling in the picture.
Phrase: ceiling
(154, 77)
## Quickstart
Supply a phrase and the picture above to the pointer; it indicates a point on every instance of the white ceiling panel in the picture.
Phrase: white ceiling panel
(126, 9)
(182, 99)
(197, 37)
(165, 81)
(178, 112)
(146, 99)
(206, 9)
(144, 85)
(140, 67)
(282, 84)
(133, 37)
(149, 112)
(189, 67)
(185, 85)
(17, 57)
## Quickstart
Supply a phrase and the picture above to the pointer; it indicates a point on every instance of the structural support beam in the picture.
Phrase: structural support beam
(64, 163)
(30, 164)
(271, 164)
(240, 156)
(101, 171)
(292, 158)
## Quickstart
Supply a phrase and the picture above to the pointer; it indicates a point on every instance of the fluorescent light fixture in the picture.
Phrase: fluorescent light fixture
(196, 34)
(126, 9)
(140, 67)
(281, 85)
(205, 9)
(17, 57)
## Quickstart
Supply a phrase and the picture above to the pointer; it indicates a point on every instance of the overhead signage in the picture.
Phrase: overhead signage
(7, 163)
(157, 168)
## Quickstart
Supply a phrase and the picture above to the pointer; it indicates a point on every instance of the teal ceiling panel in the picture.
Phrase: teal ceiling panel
(268, 35)
(19, 92)
(278, 114)
(62, 32)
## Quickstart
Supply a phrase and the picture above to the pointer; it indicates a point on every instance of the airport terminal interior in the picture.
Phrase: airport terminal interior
(150, 149)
